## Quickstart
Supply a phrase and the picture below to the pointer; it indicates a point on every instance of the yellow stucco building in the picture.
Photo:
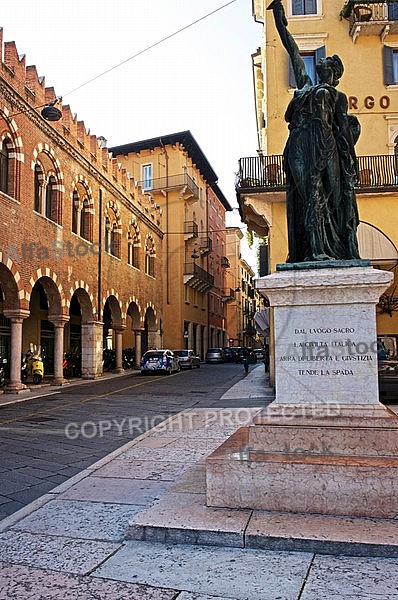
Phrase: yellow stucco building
(365, 36)
(175, 174)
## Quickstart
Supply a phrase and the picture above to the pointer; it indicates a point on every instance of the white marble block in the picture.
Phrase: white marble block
(325, 333)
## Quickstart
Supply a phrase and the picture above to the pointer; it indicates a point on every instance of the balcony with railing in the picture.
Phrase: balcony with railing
(225, 262)
(371, 18)
(265, 174)
(205, 245)
(197, 278)
(182, 183)
(191, 230)
(228, 296)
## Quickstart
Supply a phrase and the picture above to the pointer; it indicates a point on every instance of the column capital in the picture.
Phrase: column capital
(59, 321)
(16, 313)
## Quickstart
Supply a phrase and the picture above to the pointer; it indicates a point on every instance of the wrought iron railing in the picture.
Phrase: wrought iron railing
(262, 173)
(195, 270)
(358, 11)
(170, 182)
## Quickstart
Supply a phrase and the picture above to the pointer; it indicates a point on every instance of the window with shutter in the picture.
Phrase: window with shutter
(390, 65)
(304, 7)
(310, 61)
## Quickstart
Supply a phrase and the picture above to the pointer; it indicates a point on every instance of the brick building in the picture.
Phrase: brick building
(80, 243)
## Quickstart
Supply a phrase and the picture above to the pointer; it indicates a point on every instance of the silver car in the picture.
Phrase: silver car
(215, 355)
(187, 359)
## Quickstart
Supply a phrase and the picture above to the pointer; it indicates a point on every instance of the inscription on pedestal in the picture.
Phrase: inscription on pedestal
(328, 352)
(325, 363)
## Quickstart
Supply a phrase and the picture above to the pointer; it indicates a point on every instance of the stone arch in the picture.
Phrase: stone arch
(59, 303)
(150, 338)
(9, 274)
(133, 310)
(85, 298)
(48, 309)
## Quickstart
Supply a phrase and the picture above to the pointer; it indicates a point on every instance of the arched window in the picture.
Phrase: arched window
(133, 245)
(4, 167)
(113, 233)
(51, 199)
(38, 178)
(150, 255)
(75, 212)
(84, 219)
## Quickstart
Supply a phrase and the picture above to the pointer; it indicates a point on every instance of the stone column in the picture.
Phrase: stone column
(15, 386)
(59, 324)
(92, 349)
(138, 333)
(119, 351)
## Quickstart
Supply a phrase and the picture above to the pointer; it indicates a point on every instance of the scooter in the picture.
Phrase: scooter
(3, 369)
(36, 366)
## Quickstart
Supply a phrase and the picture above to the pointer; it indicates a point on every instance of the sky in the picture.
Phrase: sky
(94, 54)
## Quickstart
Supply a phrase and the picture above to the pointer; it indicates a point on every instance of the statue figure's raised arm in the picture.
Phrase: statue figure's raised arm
(300, 72)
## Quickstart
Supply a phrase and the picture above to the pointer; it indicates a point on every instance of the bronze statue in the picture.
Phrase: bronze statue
(319, 160)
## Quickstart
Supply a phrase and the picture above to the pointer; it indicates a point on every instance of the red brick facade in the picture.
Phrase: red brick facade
(71, 222)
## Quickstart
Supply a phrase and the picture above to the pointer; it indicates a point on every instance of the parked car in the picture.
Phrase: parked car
(260, 353)
(246, 353)
(387, 363)
(215, 355)
(159, 360)
(229, 354)
(187, 359)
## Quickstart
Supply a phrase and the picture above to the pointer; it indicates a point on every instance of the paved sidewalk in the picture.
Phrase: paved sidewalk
(73, 541)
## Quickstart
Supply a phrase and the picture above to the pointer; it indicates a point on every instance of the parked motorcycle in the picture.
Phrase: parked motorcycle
(108, 360)
(24, 367)
(71, 365)
(3, 370)
(128, 358)
(36, 365)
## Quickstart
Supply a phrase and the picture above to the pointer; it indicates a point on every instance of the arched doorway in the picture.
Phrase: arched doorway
(149, 335)
(79, 342)
(112, 335)
(44, 327)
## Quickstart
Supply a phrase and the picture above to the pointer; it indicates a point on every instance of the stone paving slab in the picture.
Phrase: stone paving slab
(324, 534)
(57, 553)
(142, 469)
(115, 490)
(194, 596)
(238, 574)
(87, 520)
(184, 518)
(19, 582)
(366, 579)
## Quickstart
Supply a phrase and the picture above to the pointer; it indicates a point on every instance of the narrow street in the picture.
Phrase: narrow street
(46, 440)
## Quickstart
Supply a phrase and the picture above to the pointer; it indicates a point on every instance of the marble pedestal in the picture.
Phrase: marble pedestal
(325, 445)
